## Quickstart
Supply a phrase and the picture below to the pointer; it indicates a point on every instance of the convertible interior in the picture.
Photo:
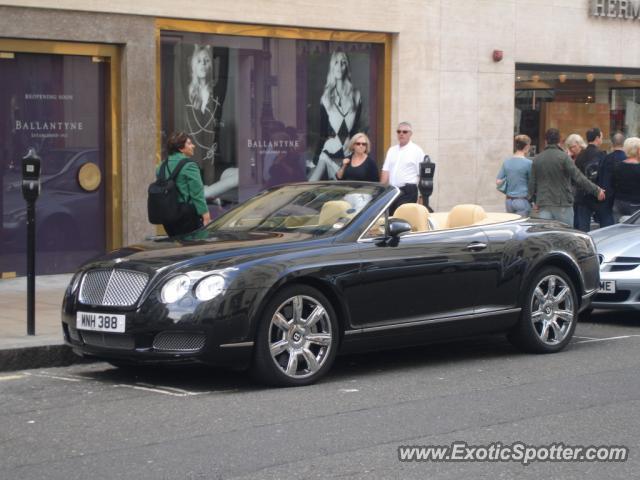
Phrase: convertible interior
(337, 213)
(460, 216)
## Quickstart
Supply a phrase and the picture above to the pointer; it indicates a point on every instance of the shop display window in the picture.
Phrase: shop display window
(265, 111)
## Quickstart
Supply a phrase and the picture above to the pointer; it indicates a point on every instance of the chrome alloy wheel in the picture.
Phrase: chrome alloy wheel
(300, 336)
(552, 309)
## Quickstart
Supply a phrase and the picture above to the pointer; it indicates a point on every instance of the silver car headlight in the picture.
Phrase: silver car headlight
(175, 289)
(209, 287)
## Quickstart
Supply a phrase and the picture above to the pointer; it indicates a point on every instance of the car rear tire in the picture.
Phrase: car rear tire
(297, 338)
(549, 313)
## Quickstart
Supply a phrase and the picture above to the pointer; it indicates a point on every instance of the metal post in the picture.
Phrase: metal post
(30, 192)
(31, 268)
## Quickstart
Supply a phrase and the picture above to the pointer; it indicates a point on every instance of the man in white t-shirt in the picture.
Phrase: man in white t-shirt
(402, 165)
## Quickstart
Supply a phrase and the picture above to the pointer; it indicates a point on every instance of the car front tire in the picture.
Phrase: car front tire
(549, 313)
(297, 338)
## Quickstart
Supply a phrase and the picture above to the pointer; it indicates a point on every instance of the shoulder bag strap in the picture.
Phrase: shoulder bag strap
(176, 171)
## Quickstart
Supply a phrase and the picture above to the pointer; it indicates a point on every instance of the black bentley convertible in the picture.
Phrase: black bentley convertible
(290, 278)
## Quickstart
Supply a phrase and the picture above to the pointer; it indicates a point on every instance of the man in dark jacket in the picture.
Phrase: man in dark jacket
(591, 163)
(616, 156)
(550, 182)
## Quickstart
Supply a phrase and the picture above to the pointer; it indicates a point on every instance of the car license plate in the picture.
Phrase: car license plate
(607, 286)
(100, 322)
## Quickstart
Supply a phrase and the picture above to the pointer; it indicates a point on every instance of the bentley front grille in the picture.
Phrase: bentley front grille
(119, 288)
(108, 340)
(179, 341)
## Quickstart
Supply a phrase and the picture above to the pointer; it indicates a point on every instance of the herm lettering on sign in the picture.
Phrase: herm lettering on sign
(625, 9)
(88, 320)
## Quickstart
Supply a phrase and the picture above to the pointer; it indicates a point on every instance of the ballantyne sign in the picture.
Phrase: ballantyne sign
(625, 9)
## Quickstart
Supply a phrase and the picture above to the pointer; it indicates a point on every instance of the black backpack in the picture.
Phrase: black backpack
(163, 200)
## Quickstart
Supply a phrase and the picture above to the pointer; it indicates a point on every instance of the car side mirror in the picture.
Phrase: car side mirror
(398, 227)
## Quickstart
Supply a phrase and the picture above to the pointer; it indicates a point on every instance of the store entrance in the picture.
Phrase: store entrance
(56, 105)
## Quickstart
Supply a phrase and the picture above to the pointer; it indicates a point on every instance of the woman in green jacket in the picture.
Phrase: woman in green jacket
(189, 184)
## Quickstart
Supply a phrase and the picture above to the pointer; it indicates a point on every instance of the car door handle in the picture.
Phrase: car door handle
(476, 246)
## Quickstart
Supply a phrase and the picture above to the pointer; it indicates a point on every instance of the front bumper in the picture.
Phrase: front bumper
(150, 346)
(626, 296)
(215, 332)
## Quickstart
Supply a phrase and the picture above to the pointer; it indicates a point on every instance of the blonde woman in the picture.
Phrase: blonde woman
(626, 179)
(359, 165)
(574, 144)
(340, 108)
(203, 109)
(515, 171)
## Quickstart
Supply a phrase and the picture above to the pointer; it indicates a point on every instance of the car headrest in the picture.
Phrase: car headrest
(333, 210)
(465, 215)
(415, 215)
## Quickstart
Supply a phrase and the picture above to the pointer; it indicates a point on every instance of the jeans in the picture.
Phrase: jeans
(562, 214)
(521, 206)
(584, 211)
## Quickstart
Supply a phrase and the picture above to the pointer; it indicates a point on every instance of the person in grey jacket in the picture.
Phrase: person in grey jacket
(550, 182)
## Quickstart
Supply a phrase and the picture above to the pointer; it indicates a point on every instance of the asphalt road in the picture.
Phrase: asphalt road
(93, 421)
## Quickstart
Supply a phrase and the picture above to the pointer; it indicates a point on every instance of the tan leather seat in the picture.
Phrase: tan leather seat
(333, 210)
(415, 215)
(465, 215)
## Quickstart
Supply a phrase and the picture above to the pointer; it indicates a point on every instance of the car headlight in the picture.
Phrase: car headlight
(209, 287)
(175, 289)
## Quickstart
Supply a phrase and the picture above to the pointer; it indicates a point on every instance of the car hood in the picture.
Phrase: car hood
(620, 240)
(222, 249)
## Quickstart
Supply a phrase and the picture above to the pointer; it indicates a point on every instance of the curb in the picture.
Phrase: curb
(38, 357)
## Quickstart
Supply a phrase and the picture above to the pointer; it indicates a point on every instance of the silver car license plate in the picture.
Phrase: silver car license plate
(100, 322)
(607, 286)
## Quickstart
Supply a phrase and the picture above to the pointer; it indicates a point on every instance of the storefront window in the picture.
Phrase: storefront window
(265, 111)
(575, 100)
(54, 104)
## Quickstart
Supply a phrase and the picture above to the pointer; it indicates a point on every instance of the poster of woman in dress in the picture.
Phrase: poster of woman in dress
(206, 91)
(341, 106)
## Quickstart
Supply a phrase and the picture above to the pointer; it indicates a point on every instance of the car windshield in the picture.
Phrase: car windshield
(314, 208)
(634, 219)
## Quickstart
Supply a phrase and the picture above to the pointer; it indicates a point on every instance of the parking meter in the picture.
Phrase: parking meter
(30, 192)
(425, 183)
(31, 176)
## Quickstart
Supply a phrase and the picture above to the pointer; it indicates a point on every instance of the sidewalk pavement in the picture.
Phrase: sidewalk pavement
(46, 348)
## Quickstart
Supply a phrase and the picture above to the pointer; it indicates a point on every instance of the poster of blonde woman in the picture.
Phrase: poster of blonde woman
(342, 112)
(203, 109)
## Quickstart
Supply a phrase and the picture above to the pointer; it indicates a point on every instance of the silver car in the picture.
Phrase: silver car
(619, 249)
